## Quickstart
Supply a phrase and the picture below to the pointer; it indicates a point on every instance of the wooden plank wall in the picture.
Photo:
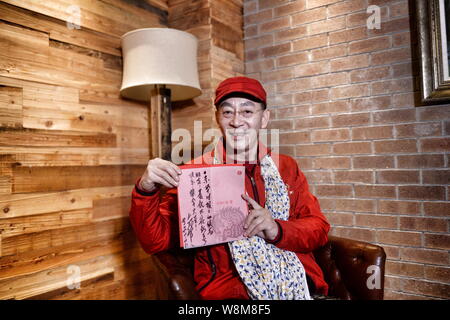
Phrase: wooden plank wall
(219, 27)
(71, 148)
(70, 152)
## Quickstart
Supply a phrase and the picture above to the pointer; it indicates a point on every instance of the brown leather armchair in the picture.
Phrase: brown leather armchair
(344, 263)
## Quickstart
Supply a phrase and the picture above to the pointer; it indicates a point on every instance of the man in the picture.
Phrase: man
(283, 227)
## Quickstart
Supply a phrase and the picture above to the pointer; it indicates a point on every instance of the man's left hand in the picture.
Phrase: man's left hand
(259, 221)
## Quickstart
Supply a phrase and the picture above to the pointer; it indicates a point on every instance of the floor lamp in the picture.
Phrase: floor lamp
(159, 66)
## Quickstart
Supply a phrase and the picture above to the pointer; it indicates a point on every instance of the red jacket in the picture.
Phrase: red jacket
(155, 222)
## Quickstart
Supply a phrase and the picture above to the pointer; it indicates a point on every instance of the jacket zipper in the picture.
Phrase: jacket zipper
(210, 258)
(213, 269)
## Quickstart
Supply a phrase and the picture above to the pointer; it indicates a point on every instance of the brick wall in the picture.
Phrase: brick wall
(345, 98)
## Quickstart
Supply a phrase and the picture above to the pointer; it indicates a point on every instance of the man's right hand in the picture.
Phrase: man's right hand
(159, 172)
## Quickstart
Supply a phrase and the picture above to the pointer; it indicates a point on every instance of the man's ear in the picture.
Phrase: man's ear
(265, 119)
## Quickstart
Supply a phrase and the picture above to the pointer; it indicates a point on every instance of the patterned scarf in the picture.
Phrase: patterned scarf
(270, 273)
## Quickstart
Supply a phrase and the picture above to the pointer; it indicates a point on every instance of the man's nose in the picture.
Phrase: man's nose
(236, 121)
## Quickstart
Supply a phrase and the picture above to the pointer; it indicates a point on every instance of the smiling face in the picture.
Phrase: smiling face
(239, 120)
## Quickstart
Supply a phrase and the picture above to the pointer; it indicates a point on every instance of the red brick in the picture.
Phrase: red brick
(312, 122)
(394, 116)
(404, 269)
(346, 7)
(354, 233)
(392, 86)
(309, 16)
(291, 34)
(418, 130)
(436, 177)
(274, 25)
(422, 192)
(310, 69)
(313, 150)
(292, 59)
(399, 207)
(340, 219)
(395, 25)
(331, 135)
(324, 94)
(314, 177)
(401, 39)
(289, 150)
(370, 45)
(329, 80)
(367, 162)
(258, 17)
(421, 161)
(279, 74)
(395, 146)
(258, 42)
(353, 176)
(295, 137)
(435, 289)
(435, 145)
(319, 3)
(399, 237)
(371, 103)
(329, 52)
(434, 113)
(328, 25)
(332, 163)
(250, 31)
(330, 107)
(352, 119)
(390, 56)
(289, 8)
(437, 273)
(352, 148)
(250, 7)
(404, 100)
(352, 91)
(436, 209)
(280, 124)
(398, 176)
(333, 190)
(376, 221)
(424, 255)
(310, 42)
(349, 62)
(423, 224)
(304, 163)
(354, 205)
(302, 97)
(368, 133)
(259, 66)
(374, 191)
(401, 70)
(276, 50)
(399, 9)
(264, 4)
(348, 35)
(364, 75)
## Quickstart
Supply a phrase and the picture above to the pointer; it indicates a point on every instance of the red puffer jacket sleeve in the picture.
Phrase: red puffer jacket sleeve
(155, 220)
(307, 228)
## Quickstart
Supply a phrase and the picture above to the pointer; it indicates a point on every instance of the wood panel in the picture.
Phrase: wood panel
(70, 151)
(71, 148)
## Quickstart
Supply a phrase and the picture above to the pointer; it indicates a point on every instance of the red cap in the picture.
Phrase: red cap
(240, 84)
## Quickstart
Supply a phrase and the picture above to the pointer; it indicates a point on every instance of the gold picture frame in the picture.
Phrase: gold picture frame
(434, 49)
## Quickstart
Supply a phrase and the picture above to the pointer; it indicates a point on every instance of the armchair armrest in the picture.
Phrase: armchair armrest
(178, 265)
(353, 269)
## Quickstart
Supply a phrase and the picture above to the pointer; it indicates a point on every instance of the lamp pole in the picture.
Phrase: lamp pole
(160, 128)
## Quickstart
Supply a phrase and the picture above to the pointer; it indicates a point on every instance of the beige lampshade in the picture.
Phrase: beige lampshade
(161, 56)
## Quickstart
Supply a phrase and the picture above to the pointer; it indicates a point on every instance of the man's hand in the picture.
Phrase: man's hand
(259, 221)
(159, 172)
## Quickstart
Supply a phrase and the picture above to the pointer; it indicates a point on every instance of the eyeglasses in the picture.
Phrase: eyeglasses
(246, 113)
